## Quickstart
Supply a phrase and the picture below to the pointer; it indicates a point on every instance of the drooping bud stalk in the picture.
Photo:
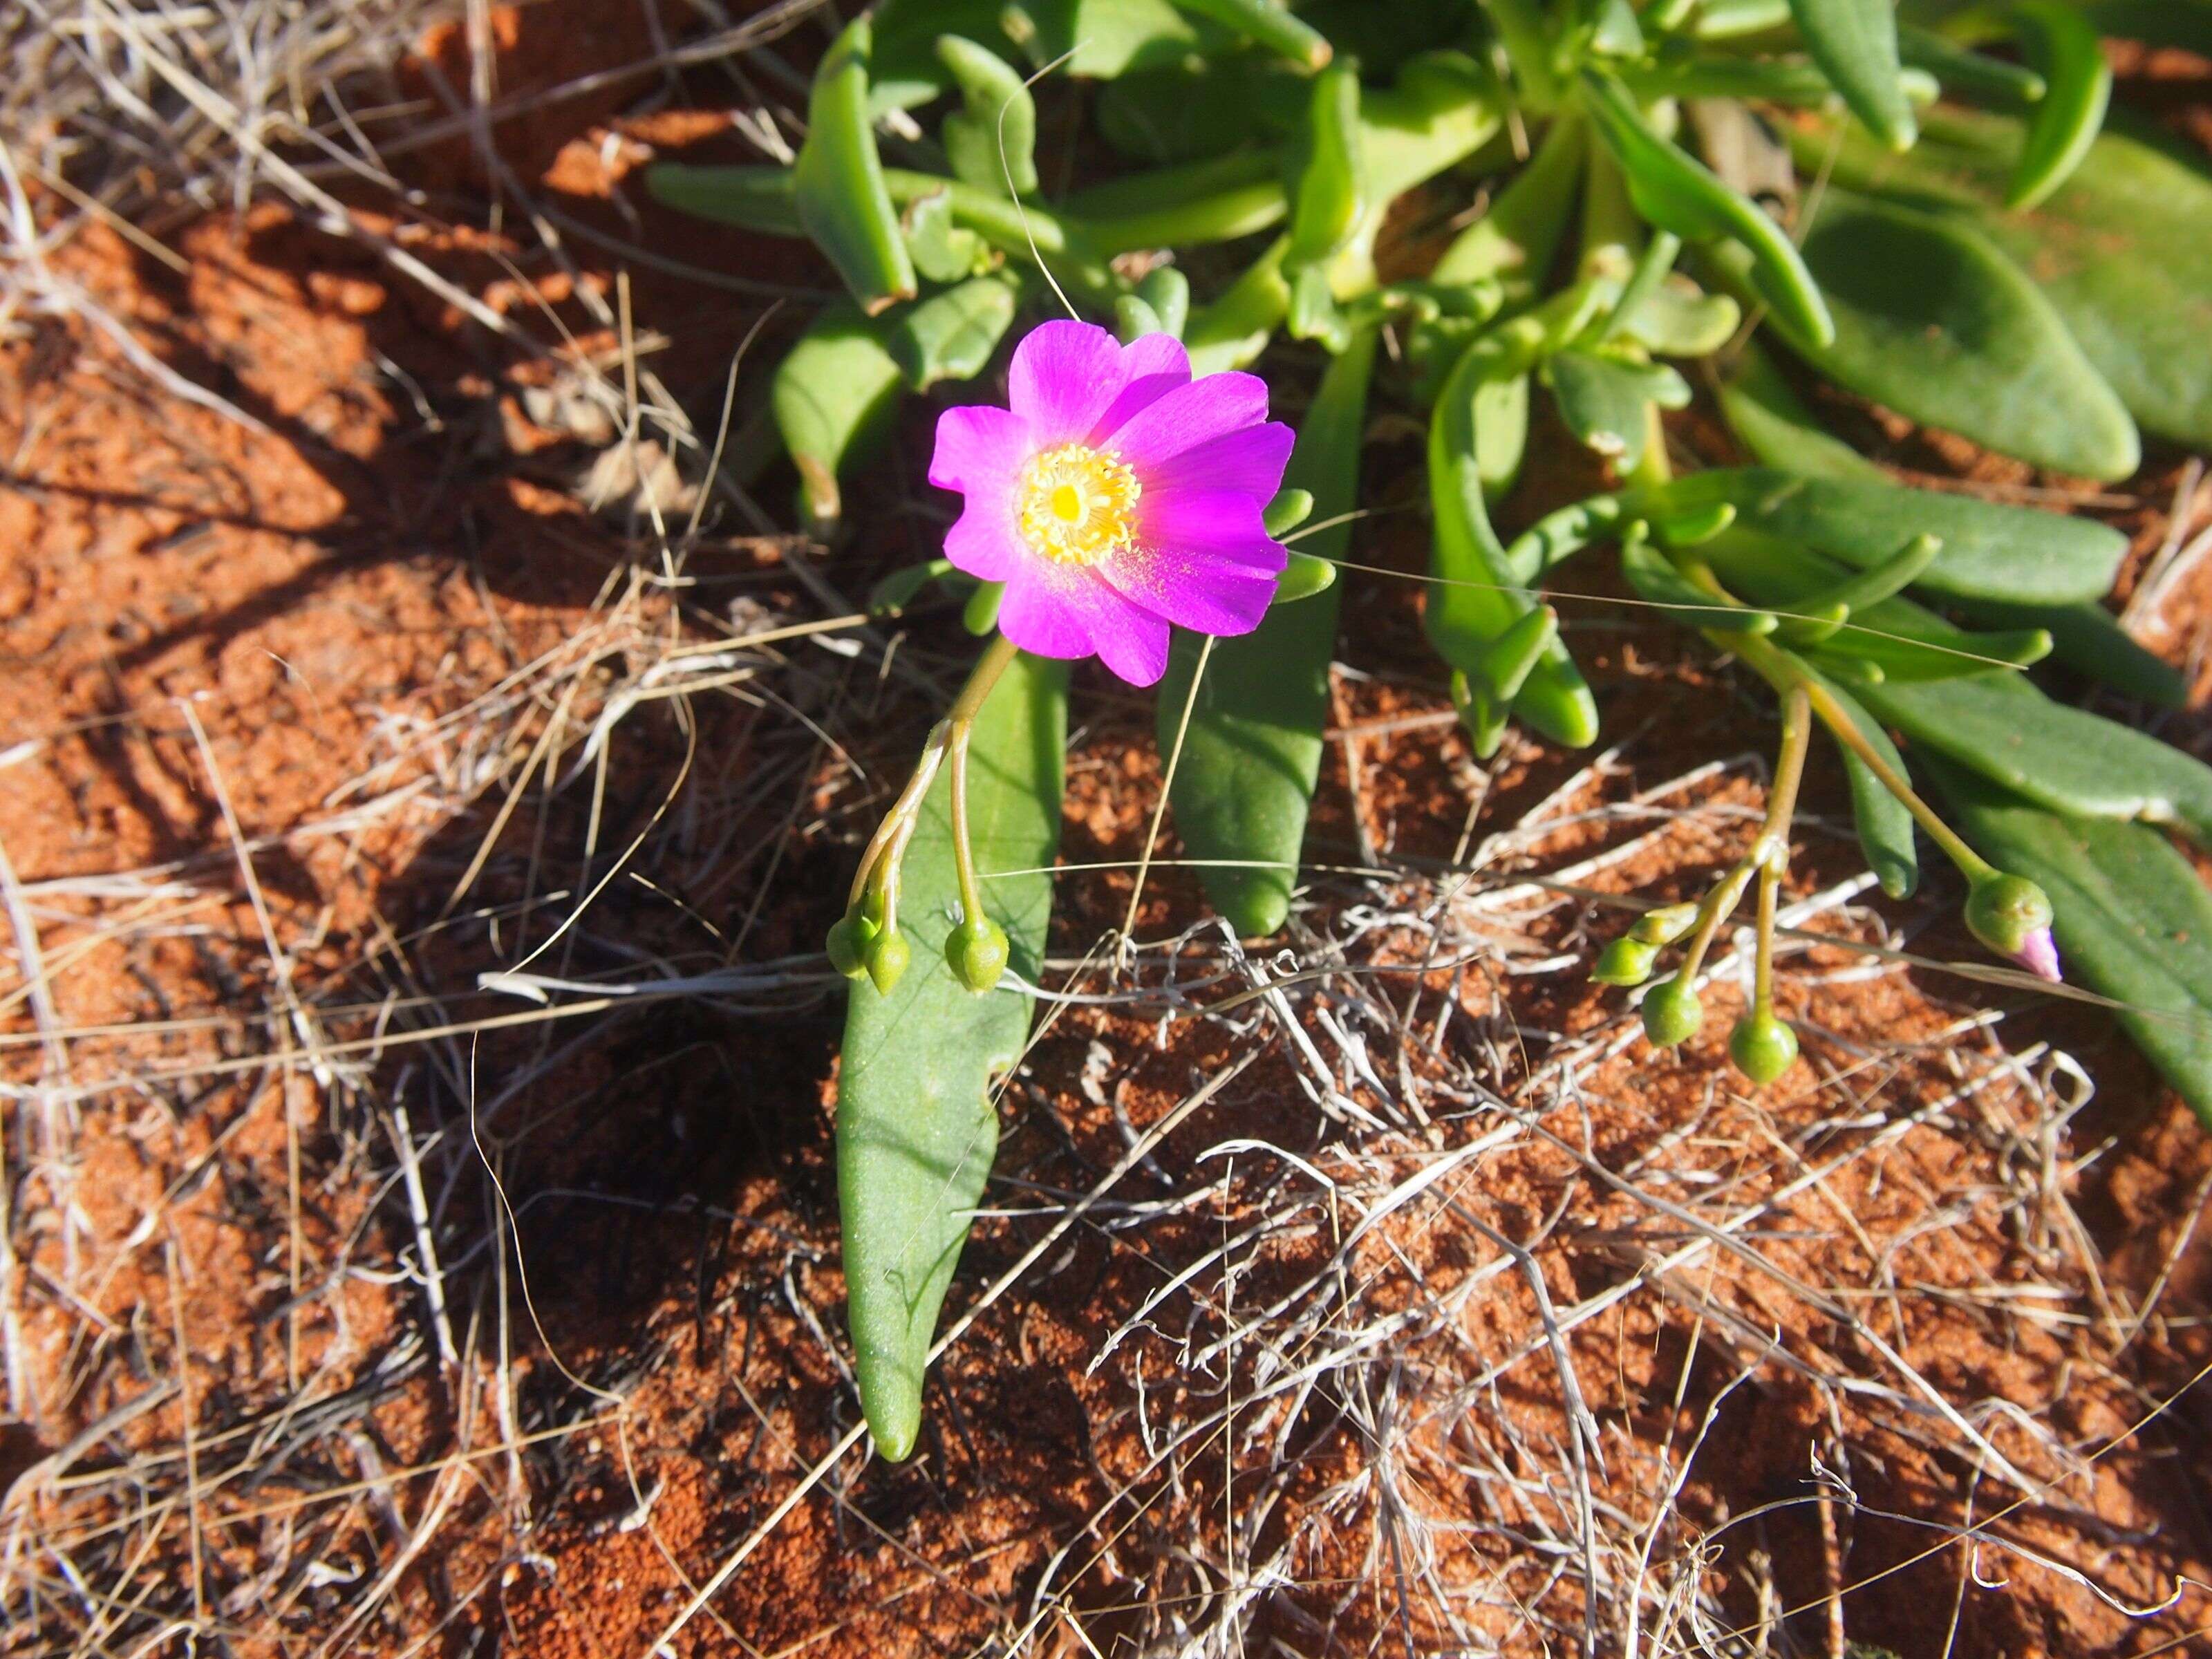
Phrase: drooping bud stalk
(2011, 915)
(1665, 925)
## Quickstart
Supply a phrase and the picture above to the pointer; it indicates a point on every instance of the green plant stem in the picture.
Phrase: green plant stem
(1770, 851)
(1762, 977)
(1781, 671)
(880, 862)
(1529, 44)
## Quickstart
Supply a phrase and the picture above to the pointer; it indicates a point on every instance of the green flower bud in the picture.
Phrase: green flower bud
(2006, 912)
(1625, 961)
(887, 955)
(977, 951)
(1672, 1012)
(1762, 1047)
(847, 945)
(1665, 925)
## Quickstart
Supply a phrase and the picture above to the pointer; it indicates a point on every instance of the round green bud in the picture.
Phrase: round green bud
(1665, 925)
(888, 956)
(977, 951)
(1625, 961)
(1763, 1046)
(2004, 912)
(847, 945)
(1672, 1012)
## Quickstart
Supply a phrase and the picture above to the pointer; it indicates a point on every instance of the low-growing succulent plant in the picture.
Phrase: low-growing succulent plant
(1983, 254)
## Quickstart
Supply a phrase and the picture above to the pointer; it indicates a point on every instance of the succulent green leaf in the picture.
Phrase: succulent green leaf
(950, 336)
(1990, 549)
(1773, 423)
(1519, 237)
(1679, 194)
(992, 138)
(916, 1128)
(1989, 80)
(1477, 596)
(1854, 43)
(2131, 916)
(1883, 822)
(1934, 321)
(832, 398)
(1252, 751)
(2087, 639)
(1167, 291)
(1326, 206)
(1273, 26)
(2123, 249)
(837, 184)
(942, 250)
(2060, 758)
(1657, 579)
(2064, 48)
(1606, 400)
(1677, 319)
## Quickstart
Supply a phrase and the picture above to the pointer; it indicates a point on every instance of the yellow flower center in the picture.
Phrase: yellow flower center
(1077, 505)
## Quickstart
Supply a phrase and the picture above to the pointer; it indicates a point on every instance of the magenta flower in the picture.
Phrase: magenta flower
(1117, 495)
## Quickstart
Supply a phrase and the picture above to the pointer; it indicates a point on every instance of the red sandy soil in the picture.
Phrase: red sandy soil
(220, 637)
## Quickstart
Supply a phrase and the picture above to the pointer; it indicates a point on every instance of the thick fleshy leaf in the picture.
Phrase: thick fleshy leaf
(1477, 596)
(2123, 249)
(2063, 47)
(837, 184)
(1252, 751)
(2133, 921)
(2061, 757)
(832, 398)
(1607, 400)
(1990, 550)
(1883, 822)
(951, 336)
(1855, 43)
(992, 141)
(916, 1128)
(2089, 640)
(1679, 194)
(1934, 321)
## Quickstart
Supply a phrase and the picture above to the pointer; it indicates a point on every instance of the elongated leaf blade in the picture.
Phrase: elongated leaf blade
(1252, 752)
(837, 184)
(1883, 822)
(2123, 249)
(2063, 758)
(916, 1128)
(1990, 549)
(1854, 43)
(1934, 321)
(2133, 921)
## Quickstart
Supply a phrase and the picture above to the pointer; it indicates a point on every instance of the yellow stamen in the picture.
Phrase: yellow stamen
(1077, 505)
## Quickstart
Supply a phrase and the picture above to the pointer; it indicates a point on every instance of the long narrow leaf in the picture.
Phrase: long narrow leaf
(916, 1128)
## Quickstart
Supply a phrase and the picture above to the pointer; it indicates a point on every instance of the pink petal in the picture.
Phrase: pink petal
(1186, 418)
(979, 449)
(984, 540)
(1063, 376)
(1154, 365)
(1200, 590)
(1251, 459)
(2039, 954)
(1066, 610)
(1222, 523)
